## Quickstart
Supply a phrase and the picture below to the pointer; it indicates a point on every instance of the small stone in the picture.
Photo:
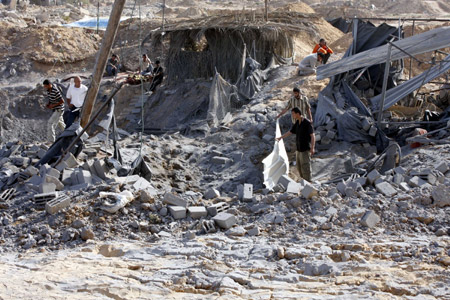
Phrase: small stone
(146, 197)
(370, 219)
(386, 189)
(280, 252)
(236, 231)
(87, 234)
(255, 231)
(77, 224)
(211, 194)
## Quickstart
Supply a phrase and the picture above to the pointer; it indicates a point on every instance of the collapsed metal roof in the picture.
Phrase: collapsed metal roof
(428, 41)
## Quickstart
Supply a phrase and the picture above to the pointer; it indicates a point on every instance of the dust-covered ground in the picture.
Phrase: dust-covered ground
(351, 239)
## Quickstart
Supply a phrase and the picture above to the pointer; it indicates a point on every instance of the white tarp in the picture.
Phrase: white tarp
(276, 164)
(89, 22)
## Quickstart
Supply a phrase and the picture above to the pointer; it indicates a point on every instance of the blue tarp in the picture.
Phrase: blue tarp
(89, 22)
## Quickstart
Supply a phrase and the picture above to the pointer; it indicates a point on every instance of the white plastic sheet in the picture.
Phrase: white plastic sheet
(276, 164)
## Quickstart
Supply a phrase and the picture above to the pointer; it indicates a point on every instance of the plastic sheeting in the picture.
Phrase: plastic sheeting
(89, 22)
(221, 98)
(395, 94)
(276, 164)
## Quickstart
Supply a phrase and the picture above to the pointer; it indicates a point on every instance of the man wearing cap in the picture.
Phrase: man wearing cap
(309, 64)
(323, 45)
(56, 104)
(298, 100)
(305, 141)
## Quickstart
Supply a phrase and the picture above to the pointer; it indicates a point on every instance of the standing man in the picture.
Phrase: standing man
(323, 44)
(56, 104)
(75, 99)
(305, 141)
(298, 100)
(309, 64)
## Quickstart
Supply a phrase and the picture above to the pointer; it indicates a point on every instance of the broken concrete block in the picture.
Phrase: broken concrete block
(211, 194)
(84, 176)
(350, 192)
(294, 188)
(325, 140)
(441, 195)
(373, 130)
(284, 181)
(404, 186)
(66, 176)
(41, 153)
(366, 124)
(245, 192)
(61, 166)
(7, 195)
(331, 134)
(71, 161)
(142, 184)
(58, 184)
(441, 167)
(53, 172)
(174, 200)
(341, 186)
(47, 187)
(217, 208)
(225, 220)
(309, 191)
(100, 169)
(386, 189)
(30, 170)
(362, 181)
(178, 212)
(398, 178)
(373, 176)
(400, 170)
(42, 199)
(416, 182)
(55, 205)
(219, 160)
(197, 212)
(370, 219)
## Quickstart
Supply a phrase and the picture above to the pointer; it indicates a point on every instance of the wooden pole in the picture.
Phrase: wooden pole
(100, 64)
(410, 59)
(266, 10)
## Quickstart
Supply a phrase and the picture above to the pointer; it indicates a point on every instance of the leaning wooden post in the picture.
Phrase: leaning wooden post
(385, 79)
(102, 57)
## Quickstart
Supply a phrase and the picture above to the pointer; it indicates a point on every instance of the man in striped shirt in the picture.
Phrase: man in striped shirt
(56, 104)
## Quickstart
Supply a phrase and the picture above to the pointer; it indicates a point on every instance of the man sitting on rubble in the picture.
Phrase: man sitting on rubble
(158, 75)
(305, 141)
(113, 65)
(323, 44)
(298, 100)
(56, 104)
(309, 64)
(75, 99)
(147, 67)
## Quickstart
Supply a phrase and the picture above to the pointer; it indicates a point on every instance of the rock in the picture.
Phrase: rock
(163, 211)
(373, 176)
(218, 160)
(211, 194)
(442, 167)
(225, 220)
(294, 253)
(77, 224)
(314, 270)
(255, 231)
(174, 200)
(416, 181)
(309, 191)
(280, 252)
(236, 231)
(146, 197)
(370, 219)
(441, 195)
(87, 234)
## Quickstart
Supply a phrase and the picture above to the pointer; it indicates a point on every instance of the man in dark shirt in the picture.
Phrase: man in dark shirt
(113, 65)
(158, 75)
(56, 104)
(305, 141)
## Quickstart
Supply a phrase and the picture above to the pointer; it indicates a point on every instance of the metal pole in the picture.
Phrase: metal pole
(355, 34)
(385, 79)
(100, 64)
(410, 59)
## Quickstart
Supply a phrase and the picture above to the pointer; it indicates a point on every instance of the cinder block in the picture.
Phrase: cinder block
(174, 200)
(284, 181)
(309, 191)
(386, 189)
(30, 170)
(58, 184)
(47, 187)
(55, 205)
(245, 192)
(197, 212)
(294, 187)
(141, 184)
(404, 186)
(42, 199)
(361, 180)
(370, 219)
(61, 166)
(178, 212)
(400, 170)
(66, 176)
(71, 161)
(83, 176)
(341, 186)
(53, 172)
(217, 208)
(441, 167)
(416, 182)
(398, 178)
(373, 176)
(225, 220)
(7, 194)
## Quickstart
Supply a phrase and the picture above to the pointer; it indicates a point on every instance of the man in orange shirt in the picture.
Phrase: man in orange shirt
(323, 44)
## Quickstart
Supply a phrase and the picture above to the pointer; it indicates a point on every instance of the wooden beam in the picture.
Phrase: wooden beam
(102, 57)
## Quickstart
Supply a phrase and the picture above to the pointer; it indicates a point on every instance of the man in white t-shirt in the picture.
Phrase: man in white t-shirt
(309, 64)
(75, 98)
